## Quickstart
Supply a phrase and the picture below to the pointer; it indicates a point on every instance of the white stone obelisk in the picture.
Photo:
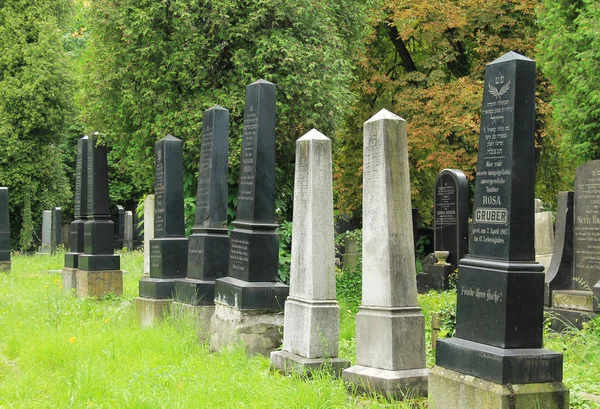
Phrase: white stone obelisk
(390, 329)
(312, 314)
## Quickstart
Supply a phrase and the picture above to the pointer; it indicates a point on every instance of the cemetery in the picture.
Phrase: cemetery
(211, 224)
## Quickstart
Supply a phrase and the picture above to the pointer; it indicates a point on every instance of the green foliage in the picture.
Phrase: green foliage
(35, 100)
(152, 68)
(285, 251)
(569, 45)
(349, 278)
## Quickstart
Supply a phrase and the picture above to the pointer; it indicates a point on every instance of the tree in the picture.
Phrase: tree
(35, 99)
(569, 44)
(426, 63)
(153, 67)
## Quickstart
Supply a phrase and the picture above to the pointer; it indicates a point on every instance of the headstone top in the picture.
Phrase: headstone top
(384, 114)
(262, 81)
(216, 106)
(510, 56)
(313, 134)
(169, 137)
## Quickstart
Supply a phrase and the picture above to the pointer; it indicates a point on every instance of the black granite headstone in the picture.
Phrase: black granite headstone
(208, 253)
(586, 245)
(98, 230)
(118, 218)
(559, 275)
(4, 230)
(56, 233)
(500, 286)
(254, 245)
(80, 206)
(168, 249)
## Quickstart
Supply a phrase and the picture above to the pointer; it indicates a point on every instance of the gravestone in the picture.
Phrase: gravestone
(496, 356)
(312, 315)
(450, 216)
(98, 271)
(4, 231)
(69, 272)
(390, 328)
(544, 238)
(249, 302)
(148, 230)
(128, 230)
(118, 219)
(56, 229)
(208, 253)
(46, 246)
(168, 248)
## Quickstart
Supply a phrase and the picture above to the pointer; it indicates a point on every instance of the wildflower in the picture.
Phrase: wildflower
(107, 320)
(72, 340)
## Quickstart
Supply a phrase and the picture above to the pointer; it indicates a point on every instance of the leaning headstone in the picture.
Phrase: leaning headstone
(496, 359)
(544, 238)
(46, 246)
(148, 230)
(56, 229)
(118, 218)
(390, 328)
(99, 268)
(208, 253)
(168, 248)
(312, 315)
(4, 231)
(450, 217)
(128, 230)
(249, 302)
(69, 272)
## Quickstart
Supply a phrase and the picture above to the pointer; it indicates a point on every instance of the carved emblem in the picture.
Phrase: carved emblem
(494, 91)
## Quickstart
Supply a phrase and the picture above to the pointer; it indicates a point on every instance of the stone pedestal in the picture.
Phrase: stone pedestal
(201, 315)
(453, 390)
(288, 363)
(404, 384)
(258, 331)
(572, 308)
(150, 311)
(69, 279)
(99, 283)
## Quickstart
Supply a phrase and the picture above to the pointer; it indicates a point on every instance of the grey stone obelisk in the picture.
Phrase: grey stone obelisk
(390, 328)
(98, 270)
(312, 315)
(4, 231)
(208, 252)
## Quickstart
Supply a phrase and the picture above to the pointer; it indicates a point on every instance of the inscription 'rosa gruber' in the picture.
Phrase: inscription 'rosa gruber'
(489, 215)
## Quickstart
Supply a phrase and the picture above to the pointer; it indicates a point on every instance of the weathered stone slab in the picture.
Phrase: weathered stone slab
(201, 315)
(99, 283)
(151, 311)
(128, 230)
(69, 279)
(544, 238)
(46, 246)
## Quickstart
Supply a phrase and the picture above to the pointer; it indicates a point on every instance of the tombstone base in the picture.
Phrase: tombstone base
(168, 257)
(149, 311)
(201, 316)
(157, 288)
(5, 266)
(99, 262)
(69, 279)
(71, 260)
(250, 295)
(195, 292)
(435, 278)
(288, 363)
(561, 319)
(99, 283)
(399, 385)
(575, 300)
(259, 331)
(453, 390)
(503, 366)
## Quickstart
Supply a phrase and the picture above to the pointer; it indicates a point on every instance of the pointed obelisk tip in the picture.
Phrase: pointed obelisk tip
(384, 114)
(510, 56)
(262, 81)
(313, 134)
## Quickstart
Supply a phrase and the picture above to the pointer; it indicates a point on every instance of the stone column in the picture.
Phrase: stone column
(46, 247)
(148, 231)
(4, 231)
(390, 329)
(496, 356)
(208, 254)
(312, 315)
(168, 249)
(98, 267)
(249, 302)
(128, 230)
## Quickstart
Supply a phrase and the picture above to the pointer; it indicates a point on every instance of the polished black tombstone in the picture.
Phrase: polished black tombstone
(118, 218)
(56, 229)
(4, 231)
(500, 286)
(254, 245)
(208, 252)
(168, 248)
(98, 254)
(80, 205)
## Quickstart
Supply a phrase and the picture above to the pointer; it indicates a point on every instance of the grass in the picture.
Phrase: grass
(57, 351)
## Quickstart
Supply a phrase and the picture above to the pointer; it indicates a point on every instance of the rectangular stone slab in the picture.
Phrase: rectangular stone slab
(245, 295)
(195, 292)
